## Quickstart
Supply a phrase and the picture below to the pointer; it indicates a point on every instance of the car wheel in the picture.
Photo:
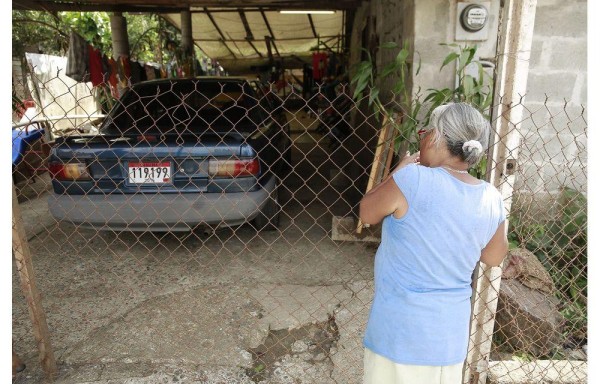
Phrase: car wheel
(268, 217)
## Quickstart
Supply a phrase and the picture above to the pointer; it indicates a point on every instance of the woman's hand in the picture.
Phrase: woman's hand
(408, 159)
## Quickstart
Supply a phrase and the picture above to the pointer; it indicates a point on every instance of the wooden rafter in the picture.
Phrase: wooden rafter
(171, 6)
(262, 12)
(230, 40)
(312, 25)
(249, 34)
(214, 23)
(254, 47)
(223, 38)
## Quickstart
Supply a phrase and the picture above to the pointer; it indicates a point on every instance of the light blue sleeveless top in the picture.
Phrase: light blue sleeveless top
(423, 266)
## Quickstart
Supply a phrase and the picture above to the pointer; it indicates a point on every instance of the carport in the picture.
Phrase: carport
(230, 305)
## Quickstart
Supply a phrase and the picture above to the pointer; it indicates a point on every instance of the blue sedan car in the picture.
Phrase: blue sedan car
(174, 154)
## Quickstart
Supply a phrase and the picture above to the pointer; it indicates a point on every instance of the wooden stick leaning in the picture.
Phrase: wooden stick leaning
(22, 256)
(379, 168)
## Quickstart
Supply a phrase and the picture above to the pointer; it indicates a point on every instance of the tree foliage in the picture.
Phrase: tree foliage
(48, 32)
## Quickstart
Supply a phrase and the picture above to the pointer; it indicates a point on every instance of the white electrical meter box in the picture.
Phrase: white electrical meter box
(472, 20)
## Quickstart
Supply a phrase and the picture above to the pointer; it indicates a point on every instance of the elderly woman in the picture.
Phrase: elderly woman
(438, 222)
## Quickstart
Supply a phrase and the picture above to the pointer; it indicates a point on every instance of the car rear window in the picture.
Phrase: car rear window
(192, 106)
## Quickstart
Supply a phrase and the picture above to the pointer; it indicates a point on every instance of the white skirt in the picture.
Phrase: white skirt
(381, 370)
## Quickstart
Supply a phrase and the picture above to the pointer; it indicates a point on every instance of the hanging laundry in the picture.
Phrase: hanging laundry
(319, 60)
(135, 72)
(112, 79)
(95, 66)
(105, 69)
(150, 72)
(77, 58)
(124, 67)
(142, 71)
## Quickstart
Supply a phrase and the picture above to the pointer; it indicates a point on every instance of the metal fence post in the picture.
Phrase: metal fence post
(511, 83)
(22, 256)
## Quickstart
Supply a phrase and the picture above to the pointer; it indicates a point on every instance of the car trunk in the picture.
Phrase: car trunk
(151, 163)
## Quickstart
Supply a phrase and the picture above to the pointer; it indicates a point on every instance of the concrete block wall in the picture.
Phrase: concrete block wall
(435, 23)
(554, 128)
(554, 132)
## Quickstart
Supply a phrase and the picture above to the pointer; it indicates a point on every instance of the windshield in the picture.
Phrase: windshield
(190, 106)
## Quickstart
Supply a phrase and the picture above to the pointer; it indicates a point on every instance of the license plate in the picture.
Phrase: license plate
(150, 173)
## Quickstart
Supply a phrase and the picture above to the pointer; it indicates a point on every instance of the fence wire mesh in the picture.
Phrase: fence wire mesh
(239, 279)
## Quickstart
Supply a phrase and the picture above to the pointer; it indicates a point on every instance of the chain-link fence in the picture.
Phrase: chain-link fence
(197, 238)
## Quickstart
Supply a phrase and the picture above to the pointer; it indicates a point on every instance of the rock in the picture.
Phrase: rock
(524, 266)
(528, 319)
(527, 316)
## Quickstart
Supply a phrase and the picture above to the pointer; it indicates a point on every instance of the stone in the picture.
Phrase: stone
(524, 266)
(528, 319)
(527, 316)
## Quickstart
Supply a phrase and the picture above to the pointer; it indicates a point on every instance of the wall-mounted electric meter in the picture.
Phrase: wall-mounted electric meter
(472, 19)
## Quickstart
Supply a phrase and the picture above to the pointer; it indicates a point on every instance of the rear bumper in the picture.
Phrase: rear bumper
(156, 212)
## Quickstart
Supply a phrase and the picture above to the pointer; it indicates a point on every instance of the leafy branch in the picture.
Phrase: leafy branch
(472, 88)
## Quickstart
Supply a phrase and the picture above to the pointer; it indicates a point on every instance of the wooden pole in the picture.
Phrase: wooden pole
(187, 42)
(517, 23)
(22, 256)
(381, 155)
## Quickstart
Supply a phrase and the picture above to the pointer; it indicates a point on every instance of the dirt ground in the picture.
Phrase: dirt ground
(229, 306)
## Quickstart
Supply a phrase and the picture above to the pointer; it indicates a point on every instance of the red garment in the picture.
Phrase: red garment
(95, 65)
(112, 79)
(124, 71)
(319, 60)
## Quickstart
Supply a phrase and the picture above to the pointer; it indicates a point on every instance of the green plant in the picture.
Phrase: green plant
(367, 77)
(475, 90)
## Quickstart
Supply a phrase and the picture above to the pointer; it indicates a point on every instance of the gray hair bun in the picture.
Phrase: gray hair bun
(472, 146)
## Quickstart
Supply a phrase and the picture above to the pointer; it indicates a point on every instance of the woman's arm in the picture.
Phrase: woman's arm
(386, 198)
(497, 248)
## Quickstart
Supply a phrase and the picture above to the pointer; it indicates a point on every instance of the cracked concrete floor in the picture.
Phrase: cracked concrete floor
(189, 308)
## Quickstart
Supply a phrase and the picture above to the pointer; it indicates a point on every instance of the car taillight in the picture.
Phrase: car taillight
(233, 168)
(69, 171)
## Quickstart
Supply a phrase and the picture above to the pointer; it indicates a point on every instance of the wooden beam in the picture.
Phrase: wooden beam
(214, 23)
(249, 34)
(242, 40)
(22, 255)
(312, 26)
(262, 12)
(150, 5)
(254, 47)
(384, 144)
(223, 39)
(269, 52)
(53, 6)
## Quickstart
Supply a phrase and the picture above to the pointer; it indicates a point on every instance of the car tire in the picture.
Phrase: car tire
(268, 217)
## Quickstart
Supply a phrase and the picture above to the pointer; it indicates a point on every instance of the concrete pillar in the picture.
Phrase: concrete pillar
(120, 40)
(187, 42)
